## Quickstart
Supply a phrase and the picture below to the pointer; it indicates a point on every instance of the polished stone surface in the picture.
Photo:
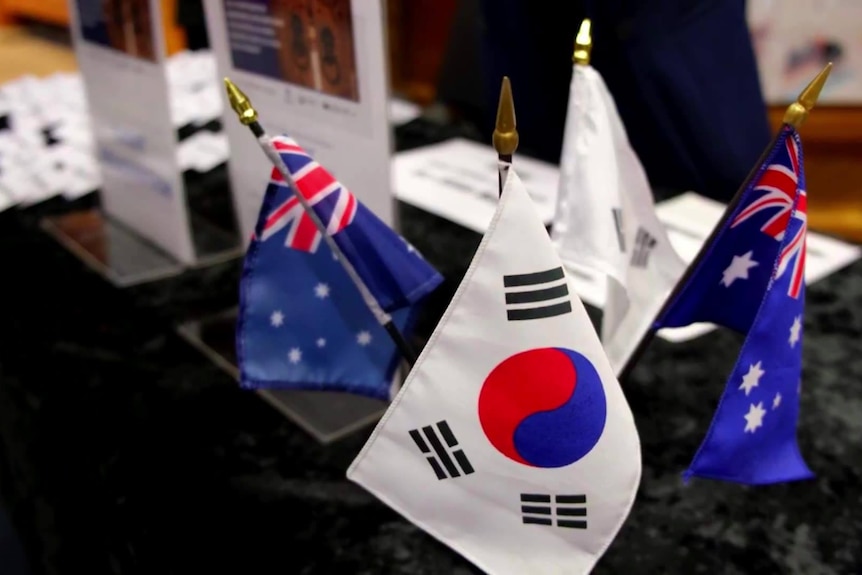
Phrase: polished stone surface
(122, 450)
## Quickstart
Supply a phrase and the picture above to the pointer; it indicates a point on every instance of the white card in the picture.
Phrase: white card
(79, 171)
(402, 111)
(203, 151)
(23, 187)
(457, 180)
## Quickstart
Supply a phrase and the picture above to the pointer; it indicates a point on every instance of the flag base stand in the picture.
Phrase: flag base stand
(123, 257)
(326, 416)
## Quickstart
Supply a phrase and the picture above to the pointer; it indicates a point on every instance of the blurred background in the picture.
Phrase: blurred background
(700, 133)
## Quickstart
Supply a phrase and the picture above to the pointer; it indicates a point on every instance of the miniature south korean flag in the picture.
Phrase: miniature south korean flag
(511, 441)
(606, 219)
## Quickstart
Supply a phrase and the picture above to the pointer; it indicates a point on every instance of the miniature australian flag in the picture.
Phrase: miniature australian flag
(752, 279)
(302, 321)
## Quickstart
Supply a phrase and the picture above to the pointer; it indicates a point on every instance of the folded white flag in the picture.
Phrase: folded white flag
(511, 440)
(606, 219)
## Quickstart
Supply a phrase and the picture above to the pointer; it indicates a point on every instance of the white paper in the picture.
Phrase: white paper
(200, 106)
(23, 187)
(457, 180)
(80, 171)
(330, 99)
(402, 111)
(203, 151)
(32, 172)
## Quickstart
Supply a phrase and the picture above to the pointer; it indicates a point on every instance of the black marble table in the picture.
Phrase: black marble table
(123, 450)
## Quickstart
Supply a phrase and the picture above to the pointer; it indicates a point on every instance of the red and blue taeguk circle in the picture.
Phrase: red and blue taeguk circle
(543, 407)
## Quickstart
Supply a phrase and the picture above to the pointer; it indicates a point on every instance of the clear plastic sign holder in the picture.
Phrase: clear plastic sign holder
(326, 416)
(125, 258)
(110, 249)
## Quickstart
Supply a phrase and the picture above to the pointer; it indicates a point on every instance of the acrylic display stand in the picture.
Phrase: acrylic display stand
(123, 257)
(327, 416)
(111, 249)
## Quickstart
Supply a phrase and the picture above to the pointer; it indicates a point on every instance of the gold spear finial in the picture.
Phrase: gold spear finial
(505, 132)
(583, 44)
(797, 112)
(240, 103)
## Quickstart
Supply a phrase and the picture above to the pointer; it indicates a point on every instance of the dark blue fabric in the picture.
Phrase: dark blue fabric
(291, 336)
(682, 72)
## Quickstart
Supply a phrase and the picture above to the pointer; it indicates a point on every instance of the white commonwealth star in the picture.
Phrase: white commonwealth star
(754, 417)
(363, 338)
(321, 342)
(776, 401)
(294, 355)
(795, 330)
(276, 319)
(321, 290)
(752, 379)
(738, 268)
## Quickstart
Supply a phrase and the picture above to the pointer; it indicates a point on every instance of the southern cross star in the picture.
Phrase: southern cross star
(276, 319)
(738, 269)
(754, 417)
(294, 355)
(752, 379)
(795, 331)
(321, 290)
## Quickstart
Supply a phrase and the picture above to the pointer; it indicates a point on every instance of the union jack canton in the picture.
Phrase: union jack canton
(752, 279)
(334, 204)
(779, 184)
(390, 267)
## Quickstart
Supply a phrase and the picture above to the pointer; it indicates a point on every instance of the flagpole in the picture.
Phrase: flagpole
(505, 132)
(248, 116)
(794, 117)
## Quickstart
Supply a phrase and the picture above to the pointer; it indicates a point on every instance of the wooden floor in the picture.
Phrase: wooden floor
(23, 51)
(832, 137)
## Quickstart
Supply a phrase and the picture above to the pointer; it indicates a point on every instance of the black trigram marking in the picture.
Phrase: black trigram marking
(565, 511)
(618, 226)
(644, 244)
(438, 456)
(546, 295)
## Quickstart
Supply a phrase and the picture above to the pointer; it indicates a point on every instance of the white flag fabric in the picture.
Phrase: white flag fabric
(606, 220)
(511, 441)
